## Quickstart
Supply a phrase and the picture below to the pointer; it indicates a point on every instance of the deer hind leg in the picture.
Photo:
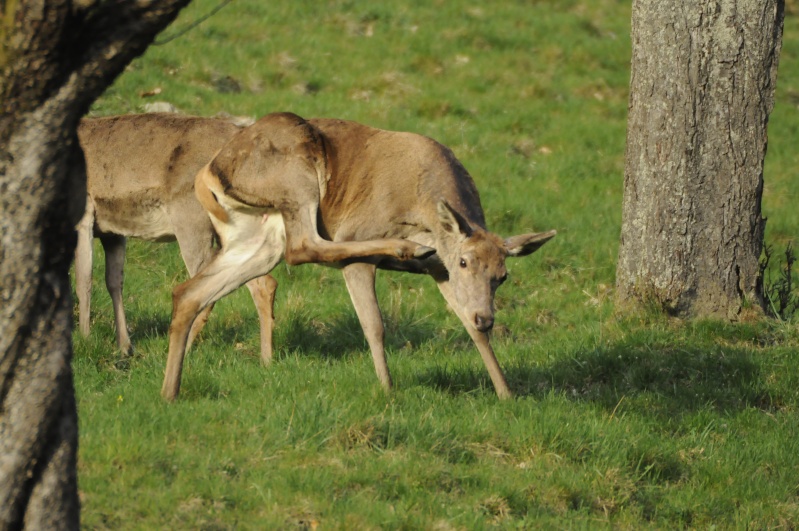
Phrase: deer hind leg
(114, 247)
(263, 291)
(480, 340)
(304, 245)
(243, 259)
(83, 268)
(195, 235)
(360, 279)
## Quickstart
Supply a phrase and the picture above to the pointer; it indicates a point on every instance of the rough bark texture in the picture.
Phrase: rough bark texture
(56, 57)
(702, 88)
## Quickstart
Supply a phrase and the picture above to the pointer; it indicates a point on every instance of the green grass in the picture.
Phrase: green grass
(635, 422)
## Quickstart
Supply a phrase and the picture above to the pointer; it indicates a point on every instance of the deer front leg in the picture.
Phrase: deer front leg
(114, 247)
(481, 341)
(83, 268)
(360, 279)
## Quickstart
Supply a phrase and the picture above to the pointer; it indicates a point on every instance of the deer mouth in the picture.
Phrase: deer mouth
(483, 323)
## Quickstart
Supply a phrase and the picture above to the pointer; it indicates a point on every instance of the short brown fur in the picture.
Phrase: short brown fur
(140, 183)
(356, 198)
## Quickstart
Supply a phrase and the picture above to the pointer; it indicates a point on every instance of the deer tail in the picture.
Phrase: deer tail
(203, 189)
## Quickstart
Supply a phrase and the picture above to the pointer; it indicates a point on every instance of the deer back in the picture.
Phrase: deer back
(139, 166)
(387, 184)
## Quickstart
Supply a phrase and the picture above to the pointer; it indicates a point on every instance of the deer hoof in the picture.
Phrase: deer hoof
(169, 397)
(423, 252)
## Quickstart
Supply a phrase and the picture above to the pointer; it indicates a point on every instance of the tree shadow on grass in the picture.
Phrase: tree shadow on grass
(150, 324)
(310, 334)
(664, 378)
(340, 336)
(665, 375)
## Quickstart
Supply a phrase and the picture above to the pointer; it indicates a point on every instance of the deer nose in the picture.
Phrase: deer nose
(482, 323)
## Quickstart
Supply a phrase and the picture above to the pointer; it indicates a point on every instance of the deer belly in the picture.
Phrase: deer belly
(150, 224)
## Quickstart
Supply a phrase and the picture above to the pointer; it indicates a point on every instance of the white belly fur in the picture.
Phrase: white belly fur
(152, 225)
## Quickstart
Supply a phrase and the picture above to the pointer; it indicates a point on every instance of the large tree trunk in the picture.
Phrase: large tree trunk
(56, 57)
(702, 88)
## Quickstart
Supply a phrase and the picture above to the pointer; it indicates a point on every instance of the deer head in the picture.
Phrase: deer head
(475, 261)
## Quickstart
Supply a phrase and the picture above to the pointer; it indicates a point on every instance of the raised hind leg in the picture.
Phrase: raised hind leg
(254, 182)
(304, 245)
(279, 164)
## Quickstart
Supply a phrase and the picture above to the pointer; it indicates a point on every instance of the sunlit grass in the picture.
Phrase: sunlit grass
(635, 422)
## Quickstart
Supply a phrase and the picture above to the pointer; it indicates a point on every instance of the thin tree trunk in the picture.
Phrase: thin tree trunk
(702, 89)
(56, 57)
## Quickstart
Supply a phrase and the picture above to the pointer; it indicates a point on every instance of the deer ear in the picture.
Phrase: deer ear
(451, 221)
(524, 244)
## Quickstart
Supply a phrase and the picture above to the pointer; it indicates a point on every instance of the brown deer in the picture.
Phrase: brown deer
(140, 183)
(347, 195)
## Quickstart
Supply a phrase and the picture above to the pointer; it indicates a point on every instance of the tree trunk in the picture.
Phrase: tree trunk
(56, 57)
(702, 88)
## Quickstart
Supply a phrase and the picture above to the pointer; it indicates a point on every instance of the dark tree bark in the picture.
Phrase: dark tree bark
(56, 57)
(701, 91)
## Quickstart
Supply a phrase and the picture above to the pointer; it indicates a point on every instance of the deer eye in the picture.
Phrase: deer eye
(463, 262)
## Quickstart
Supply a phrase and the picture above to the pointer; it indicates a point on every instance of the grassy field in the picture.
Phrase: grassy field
(621, 422)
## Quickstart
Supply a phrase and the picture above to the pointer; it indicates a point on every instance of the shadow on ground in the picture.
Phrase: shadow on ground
(665, 375)
(149, 324)
(339, 337)
(311, 335)
(663, 378)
